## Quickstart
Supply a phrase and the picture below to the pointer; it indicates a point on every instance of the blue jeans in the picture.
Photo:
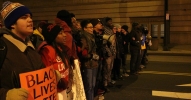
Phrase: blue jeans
(89, 79)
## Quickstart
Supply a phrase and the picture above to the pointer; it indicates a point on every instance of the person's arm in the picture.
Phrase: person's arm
(84, 49)
(132, 39)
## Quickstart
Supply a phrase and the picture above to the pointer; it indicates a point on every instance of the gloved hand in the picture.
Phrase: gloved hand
(17, 94)
(58, 75)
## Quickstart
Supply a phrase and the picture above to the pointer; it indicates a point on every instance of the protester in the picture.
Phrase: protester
(52, 54)
(98, 33)
(119, 53)
(135, 48)
(37, 37)
(19, 25)
(89, 60)
(110, 52)
(75, 89)
(125, 35)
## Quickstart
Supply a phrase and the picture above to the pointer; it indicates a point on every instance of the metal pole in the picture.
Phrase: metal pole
(166, 26)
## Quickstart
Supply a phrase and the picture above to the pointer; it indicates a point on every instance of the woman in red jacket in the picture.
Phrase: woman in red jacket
(52, 55)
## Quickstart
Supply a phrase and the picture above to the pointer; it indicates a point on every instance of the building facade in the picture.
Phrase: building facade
(147, 12)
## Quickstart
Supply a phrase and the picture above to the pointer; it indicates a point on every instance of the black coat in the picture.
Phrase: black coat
(119, 45)
(126, 40)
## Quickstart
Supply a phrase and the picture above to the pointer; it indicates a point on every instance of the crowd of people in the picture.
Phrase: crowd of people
(87, 56)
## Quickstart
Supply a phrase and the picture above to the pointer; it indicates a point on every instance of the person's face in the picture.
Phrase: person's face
(119, 29)
(114, 29)
(99, 26)
(23, 26)
(89, 28)
(61, 37)
(123, 31)
(75, 23)
(109, 23)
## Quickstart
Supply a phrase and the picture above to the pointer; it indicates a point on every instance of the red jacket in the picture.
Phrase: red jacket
(50, 57)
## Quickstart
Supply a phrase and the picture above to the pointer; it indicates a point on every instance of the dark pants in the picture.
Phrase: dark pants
(124, 63)
(116, 68)
(143, 57)
(89, 79)
(135, 60)
(99, 78)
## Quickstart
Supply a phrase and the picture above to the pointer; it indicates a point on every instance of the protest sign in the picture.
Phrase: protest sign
(41, 84)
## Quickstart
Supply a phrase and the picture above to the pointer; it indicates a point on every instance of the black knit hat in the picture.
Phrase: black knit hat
(125, 27)
(107, 19)
(134, 24)
(95, 21)
(65, 16)
(50, 32)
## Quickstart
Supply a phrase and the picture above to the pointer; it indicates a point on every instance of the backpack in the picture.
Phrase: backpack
(3, 51)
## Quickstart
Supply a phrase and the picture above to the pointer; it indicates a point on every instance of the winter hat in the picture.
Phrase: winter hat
(50, 32)
(13, 11)
(107, 19)
(134, 24)
(64, 15)
(125, 27)
(95, 22)
(117, 25)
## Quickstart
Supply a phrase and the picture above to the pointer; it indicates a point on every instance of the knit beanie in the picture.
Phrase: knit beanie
(50, 32)
(95, 21)
(13, 11)
(125, 27)
(64, 15)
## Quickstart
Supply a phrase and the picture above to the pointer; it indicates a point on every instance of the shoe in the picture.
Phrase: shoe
(113, 82)
(125, 75)
(142, 66)
(135, 73)
(100, 91)
(110, 84)
(106, 89)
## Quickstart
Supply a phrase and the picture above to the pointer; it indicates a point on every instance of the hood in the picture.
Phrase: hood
(4, 31)
(36, 32)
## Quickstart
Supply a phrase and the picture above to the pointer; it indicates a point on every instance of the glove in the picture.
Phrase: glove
(17, 94)
(95, 56)
(58, 75)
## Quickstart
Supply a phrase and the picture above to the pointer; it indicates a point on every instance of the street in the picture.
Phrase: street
(165, 78)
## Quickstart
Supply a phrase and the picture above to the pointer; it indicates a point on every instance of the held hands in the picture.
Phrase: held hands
(95, 56)
(17, 94)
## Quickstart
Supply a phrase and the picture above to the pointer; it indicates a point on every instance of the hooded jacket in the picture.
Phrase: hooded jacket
(29, 60)
(49, 58)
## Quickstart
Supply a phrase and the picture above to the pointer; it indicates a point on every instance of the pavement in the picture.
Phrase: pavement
(173, 50)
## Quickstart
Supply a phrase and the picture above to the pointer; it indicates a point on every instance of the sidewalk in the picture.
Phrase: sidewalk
(174, 50)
